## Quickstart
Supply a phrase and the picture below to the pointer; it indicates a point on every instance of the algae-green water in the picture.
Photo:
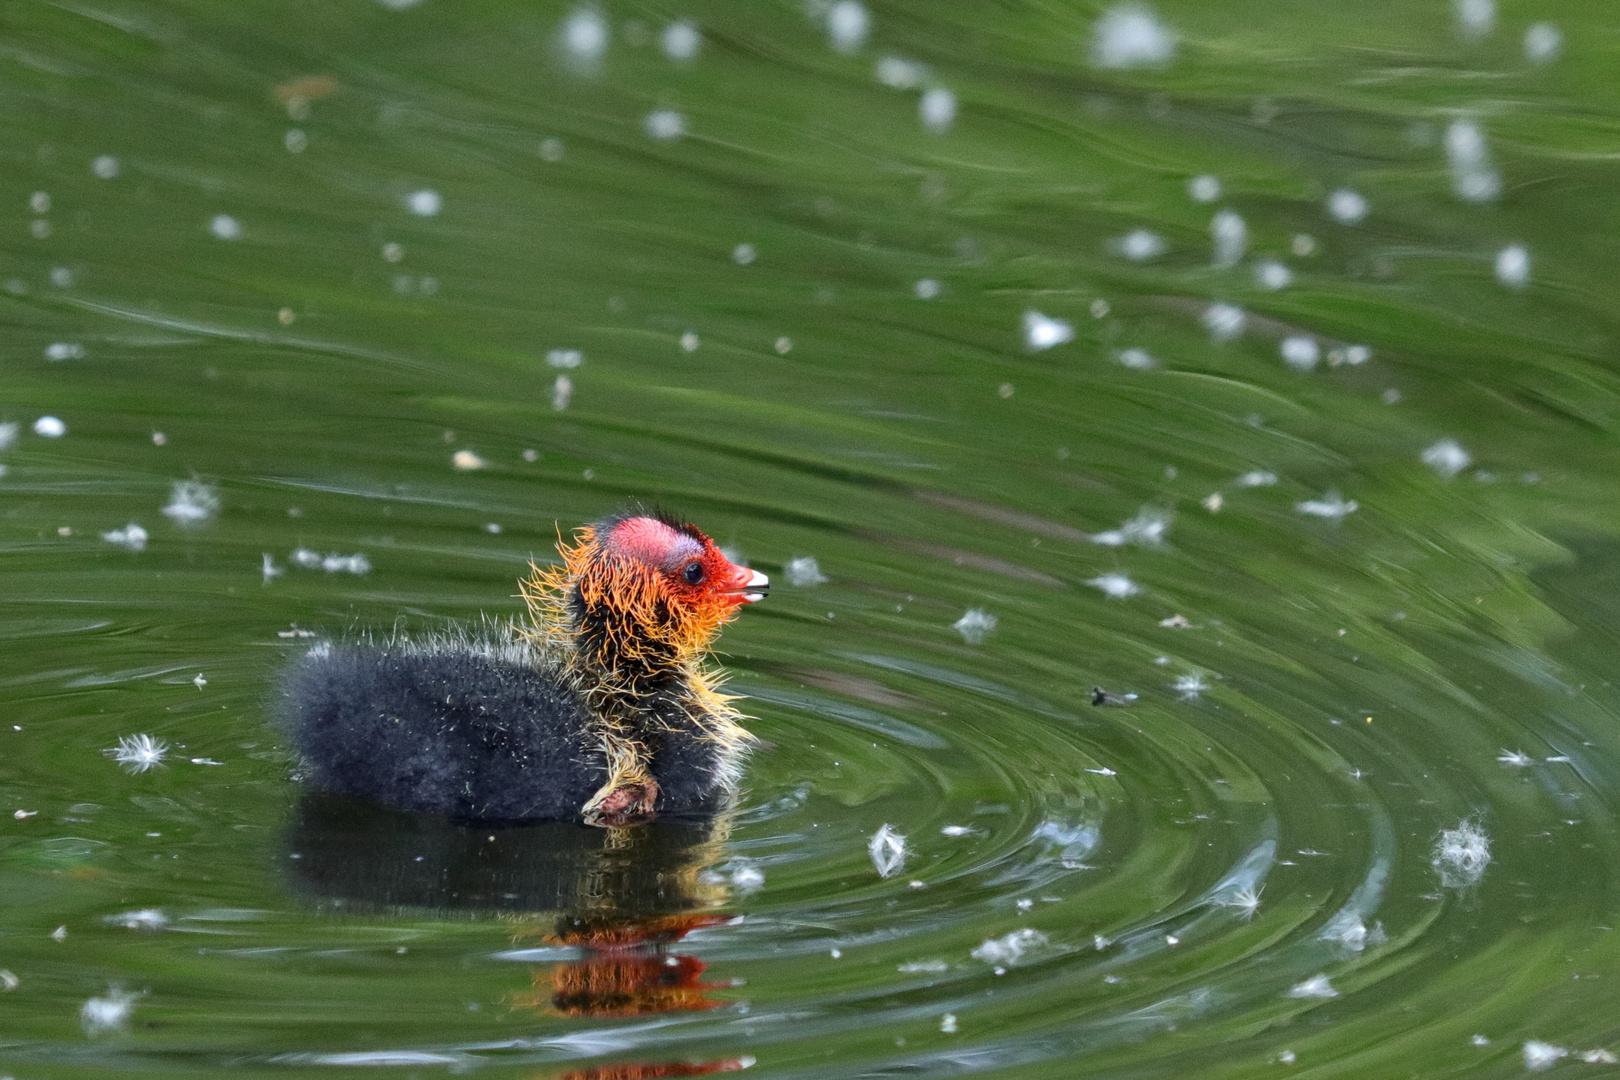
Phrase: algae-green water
(1254, 364)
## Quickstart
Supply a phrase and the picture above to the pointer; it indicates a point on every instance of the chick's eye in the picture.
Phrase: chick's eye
(693, 574)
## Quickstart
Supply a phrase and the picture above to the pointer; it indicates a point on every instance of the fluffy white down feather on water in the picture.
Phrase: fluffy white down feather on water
(1300, 352)
(1231, 236)
(131, 536)
(1245, 899)
(1347, 207)
(102, 1015)
(1542, 43)
(1139, 245)
(888, 850)
(803, 571)
(1317, 986)
(1272, 274)
(1461, 855)
(665, 125)
(585, 34)
(747, 878)
(1041, 332)
(1332, 506)
(1224, 321)
(143, 919)
(848, 23)
(191, 502)
(937, 109)
(1513, 266)
(1010, 948)
(138, 753)
(1473, 177)
(1476, 18)
(1147, 528)
(1115, 586)
(975, 625)
(1447, 458)
(900, 73)
(1131, 35)
(1188, 687)
(919, 967)
(1539, 1055)
(681, 40)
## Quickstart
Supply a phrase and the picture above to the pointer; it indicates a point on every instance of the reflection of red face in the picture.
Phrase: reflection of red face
(639, 1070)
(624, 970)
(606, 985)
(607, 935)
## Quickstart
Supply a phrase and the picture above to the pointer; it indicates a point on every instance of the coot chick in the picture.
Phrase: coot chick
(600, 705)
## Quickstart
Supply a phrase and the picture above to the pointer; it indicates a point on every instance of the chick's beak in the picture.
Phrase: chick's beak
(749, 586)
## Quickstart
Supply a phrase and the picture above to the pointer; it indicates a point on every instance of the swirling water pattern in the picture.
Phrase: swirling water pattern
(1184, 438)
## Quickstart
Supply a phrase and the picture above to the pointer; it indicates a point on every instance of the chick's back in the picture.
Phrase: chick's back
(457, 733)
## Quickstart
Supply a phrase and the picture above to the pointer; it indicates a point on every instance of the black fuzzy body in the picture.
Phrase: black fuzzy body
(472, 734)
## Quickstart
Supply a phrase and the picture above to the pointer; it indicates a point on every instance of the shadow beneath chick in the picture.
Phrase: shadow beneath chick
(349, 855)
(620, 898)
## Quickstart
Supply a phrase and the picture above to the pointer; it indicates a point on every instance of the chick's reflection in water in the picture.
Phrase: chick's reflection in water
(648, 1072)
(625, 969)
(623, 897)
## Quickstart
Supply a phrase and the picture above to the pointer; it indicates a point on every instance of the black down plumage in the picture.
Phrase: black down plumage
(469, 733)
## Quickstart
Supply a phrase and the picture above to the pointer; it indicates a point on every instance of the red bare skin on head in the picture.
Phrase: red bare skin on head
(651, 541)
(646, 541)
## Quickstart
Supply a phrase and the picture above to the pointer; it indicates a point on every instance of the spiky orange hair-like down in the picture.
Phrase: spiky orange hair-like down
(628, 625)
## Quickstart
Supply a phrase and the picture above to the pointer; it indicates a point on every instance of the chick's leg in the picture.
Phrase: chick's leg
(630, 792)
